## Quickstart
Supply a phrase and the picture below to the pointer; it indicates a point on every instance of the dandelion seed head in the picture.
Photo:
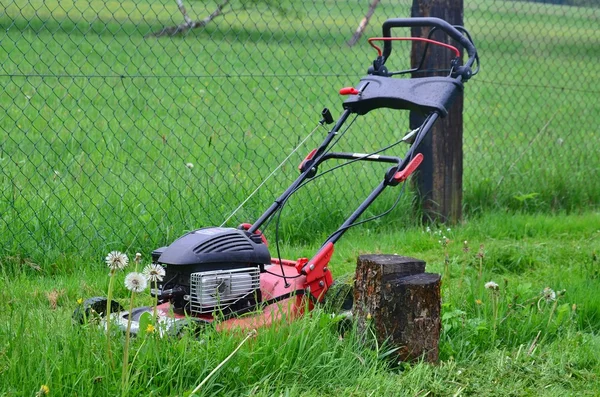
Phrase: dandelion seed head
(154, 272)
(136, 282)
(492, 285)
(481, 253)
(189, 165)
(549, 295)
(116, 260)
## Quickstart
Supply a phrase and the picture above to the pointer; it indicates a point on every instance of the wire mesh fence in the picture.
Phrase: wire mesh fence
(124, 124)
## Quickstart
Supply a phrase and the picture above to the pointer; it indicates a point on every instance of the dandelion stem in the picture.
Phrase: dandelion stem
(107, 315)
(155, 313)
(552, 312)
(125, 373)
(495, 311)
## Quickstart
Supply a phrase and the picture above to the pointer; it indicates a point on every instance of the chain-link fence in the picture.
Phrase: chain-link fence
(124, 124)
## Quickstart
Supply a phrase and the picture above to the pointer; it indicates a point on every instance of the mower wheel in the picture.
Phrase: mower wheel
(340, 296)
(94, 307)
(192, 326)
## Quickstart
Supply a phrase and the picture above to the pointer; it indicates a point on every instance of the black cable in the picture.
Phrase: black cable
(283, 276)
(340, 135)
(373, 217)
(466, 33)
(280, 209)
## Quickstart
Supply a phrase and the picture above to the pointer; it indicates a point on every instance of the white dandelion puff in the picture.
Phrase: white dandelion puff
(492, 285)
(549, 295)
(116, 260)
(189, 165)
(154, 272)
(135, 282)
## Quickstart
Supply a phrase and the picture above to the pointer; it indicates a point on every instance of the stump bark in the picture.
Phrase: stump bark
(402, 304)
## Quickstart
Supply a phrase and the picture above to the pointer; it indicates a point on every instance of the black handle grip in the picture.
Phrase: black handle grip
(432, 22)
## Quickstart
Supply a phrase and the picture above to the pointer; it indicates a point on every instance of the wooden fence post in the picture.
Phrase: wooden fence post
(402, 304)
(439, 181)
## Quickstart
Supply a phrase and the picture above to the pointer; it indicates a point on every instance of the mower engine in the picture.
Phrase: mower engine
(212, 269)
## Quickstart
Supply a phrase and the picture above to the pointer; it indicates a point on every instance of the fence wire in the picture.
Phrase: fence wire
(123, 124)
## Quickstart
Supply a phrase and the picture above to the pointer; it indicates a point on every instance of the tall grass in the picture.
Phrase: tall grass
(538, 347)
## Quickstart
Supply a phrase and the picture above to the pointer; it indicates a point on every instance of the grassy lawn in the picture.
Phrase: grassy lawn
(98, 122)
(532, 346)
(98, 126)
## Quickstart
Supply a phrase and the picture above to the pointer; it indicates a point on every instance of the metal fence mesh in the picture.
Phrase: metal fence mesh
(114, 137)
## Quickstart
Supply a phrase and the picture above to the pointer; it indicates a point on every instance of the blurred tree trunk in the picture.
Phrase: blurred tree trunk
(189, 23)
(363, 24)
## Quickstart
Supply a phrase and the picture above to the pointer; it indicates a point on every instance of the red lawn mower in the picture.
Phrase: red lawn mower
(229, 278)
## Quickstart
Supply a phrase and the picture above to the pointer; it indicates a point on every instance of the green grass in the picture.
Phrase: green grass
(97, 125)
(537, 348)
(98, 122)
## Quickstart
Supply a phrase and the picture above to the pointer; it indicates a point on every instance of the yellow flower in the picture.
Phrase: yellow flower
(44, 390)
(478, 301)
(80, 301)
(150, 328)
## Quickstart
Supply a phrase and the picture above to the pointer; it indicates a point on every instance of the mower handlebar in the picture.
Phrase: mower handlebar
(432, 22)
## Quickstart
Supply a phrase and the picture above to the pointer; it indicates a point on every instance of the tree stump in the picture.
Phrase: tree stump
(402, 304)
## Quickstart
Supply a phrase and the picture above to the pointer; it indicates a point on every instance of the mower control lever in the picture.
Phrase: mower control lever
(349, 91)
(401, 176)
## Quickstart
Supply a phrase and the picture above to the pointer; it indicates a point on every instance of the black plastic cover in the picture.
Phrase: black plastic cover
(216, 245)
(424, 94)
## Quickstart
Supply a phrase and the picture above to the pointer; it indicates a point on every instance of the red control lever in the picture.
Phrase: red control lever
(349, 91)
(401, 176)
(307, 158)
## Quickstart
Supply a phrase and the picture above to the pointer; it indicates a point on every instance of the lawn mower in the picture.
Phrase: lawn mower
(228, 277)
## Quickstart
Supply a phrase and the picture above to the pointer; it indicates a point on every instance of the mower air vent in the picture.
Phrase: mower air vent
(231, 242)
(219, 289)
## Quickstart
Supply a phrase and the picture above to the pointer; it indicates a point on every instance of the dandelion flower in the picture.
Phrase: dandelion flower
(492, 285)
(80, 301)
(478, 301)
(154, 272)
(150, 329)
(44, 390)
(549, 295)
(116, 260)
(135, 282)
(466, 246)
